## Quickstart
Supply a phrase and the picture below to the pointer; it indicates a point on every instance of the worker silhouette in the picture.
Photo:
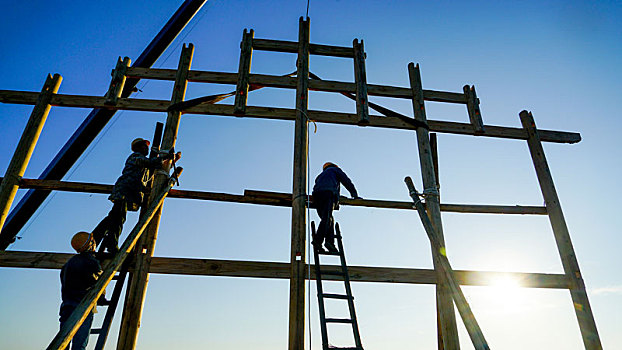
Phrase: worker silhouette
(77, 277)
(128, 190)
(325, 198)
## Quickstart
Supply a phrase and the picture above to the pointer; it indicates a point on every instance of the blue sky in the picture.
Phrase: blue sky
(558, 59)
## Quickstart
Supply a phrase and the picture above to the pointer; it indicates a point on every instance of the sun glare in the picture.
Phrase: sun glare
(504, 293)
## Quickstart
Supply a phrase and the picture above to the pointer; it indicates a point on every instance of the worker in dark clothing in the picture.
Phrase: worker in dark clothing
(325, 198)
(77, 277)
(127, 193)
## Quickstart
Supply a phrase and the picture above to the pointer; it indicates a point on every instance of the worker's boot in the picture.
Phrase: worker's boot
(330, 246)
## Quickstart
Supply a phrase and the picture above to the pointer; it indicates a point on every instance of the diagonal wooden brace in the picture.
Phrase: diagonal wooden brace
(475, 332)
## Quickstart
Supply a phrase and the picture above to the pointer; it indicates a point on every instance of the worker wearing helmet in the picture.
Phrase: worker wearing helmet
(127, 193)
(325, 197)
(77, 277)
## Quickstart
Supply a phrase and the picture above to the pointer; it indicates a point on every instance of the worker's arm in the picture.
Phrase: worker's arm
(347, 183)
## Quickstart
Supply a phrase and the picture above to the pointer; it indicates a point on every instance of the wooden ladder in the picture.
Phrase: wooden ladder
(343, 273)
(111, 305)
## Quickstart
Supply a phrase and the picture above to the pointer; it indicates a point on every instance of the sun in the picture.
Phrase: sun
(505, 294)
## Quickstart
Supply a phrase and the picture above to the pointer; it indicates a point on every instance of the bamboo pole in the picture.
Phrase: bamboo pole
(299, 196)
(69, 329)
(133, 307)
(447, 276)
(445, 307)
(583, 310)
(26, 145)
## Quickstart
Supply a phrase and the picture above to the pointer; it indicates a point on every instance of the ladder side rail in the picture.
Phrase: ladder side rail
(346, 281)
(448, 275)
(69, 329)
(112, 308)
(583, 310)
(320, 293)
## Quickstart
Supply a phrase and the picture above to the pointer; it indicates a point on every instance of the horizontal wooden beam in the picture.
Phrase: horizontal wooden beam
(24, 97)
(280, 270)
(292, 47)
(281, 199)
(290, 83)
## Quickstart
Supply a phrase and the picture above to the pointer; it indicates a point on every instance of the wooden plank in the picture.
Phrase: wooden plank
(289, 82)
(280, 270)
(244, 70)
(448, 330)
(23, 97)
(299, 196)
(583, 310)
(475, 115)
(434, 150)
(292, 47)
(360, 80)
(118, 81)
(448, 276)
(137, 287)
(70, 327)
(283, 199)
(25, 147)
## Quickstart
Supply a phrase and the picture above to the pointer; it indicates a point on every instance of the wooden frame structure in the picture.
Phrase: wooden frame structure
(298, 200)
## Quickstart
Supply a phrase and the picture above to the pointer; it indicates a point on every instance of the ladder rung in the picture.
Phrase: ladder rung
(336, 296)
(96, 330)
(329, 253)
(334, 273)
(338, 320)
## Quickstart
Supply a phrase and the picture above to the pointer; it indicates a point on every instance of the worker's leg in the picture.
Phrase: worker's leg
(324, 206)
(81, 338)
(116, 219)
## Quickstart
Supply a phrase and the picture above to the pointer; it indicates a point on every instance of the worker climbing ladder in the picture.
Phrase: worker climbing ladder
(320, 271)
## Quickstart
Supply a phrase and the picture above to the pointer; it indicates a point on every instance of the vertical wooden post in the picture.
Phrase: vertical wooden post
(434, 150)
(299, 196)
(244, 70)
(118, 81)
(444, 303)
(137, 287)
(26, 145)
(360, 79)
(583, 310)
(475, 115)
